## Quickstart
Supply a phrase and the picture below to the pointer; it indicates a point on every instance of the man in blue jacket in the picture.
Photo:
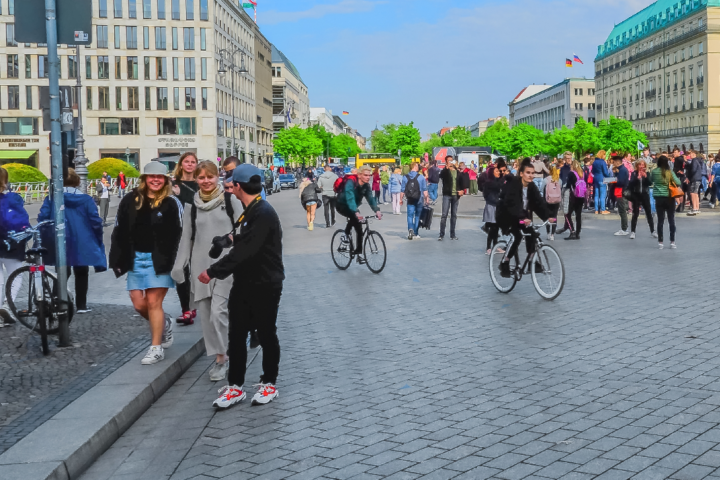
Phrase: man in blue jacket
(623, 177)
(415, 190)
(600, 172)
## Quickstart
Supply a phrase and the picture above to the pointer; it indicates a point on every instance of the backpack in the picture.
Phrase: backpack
(412, 189)
(553, 194)
(193, 215)
(580, 187)
(339, 186)
(11, 219)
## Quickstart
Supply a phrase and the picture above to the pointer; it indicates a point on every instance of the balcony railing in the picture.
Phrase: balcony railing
(677, 132)
(683, 84)
(691, 82)
(668, 89)
(700, 80)
(675, 88)
(675, 108)
(701, 104)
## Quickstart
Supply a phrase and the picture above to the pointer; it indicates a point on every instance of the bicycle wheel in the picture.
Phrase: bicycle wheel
(375, 252)
(341, 251)
(20, 295)
(548, 273)
(503, 284)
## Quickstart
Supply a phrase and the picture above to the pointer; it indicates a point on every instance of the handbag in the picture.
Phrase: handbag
(618, 192)
(674, 191)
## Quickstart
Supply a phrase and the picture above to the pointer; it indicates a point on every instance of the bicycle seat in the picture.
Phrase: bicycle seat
(38, 251)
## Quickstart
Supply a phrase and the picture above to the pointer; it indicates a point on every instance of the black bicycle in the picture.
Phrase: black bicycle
(544, 266)
(32, 290)
(374, 254)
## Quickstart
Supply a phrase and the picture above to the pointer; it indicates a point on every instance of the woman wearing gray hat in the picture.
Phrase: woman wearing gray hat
(144, 245)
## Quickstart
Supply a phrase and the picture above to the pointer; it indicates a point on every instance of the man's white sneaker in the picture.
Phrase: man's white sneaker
(266, 393)
(654, 234)
(417, 235)
(621, 232)
(167, 335)
(154, 355)
(229, 396)
(218, 372)
(632, 235)
(660, 246)
(672, 245)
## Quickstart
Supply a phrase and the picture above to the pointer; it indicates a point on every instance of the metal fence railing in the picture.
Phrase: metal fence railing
(32, 192)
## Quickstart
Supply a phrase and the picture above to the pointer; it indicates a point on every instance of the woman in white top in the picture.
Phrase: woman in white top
(104, 196)
(552, 192)
(211, 218)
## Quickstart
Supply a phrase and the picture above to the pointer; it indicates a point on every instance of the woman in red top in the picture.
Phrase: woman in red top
(376, 184)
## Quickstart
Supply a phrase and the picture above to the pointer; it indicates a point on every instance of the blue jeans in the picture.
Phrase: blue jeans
(432, 191)
(652, 201)
(600, 194)
(413, 216)
(386, 191)
(538, 183)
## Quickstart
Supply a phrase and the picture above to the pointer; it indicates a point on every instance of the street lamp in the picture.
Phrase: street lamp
(80, 160)
(227, 62)
(127, 154)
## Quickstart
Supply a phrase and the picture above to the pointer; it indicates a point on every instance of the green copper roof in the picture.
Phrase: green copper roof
(279, 57)
(649, 20)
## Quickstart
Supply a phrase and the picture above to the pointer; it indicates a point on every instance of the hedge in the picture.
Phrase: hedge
(19, 173)
(112, 166)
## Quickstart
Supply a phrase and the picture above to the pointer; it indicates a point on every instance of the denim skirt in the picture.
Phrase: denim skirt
(143, 277)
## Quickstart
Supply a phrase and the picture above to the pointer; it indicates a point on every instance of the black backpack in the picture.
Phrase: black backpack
(412, 189)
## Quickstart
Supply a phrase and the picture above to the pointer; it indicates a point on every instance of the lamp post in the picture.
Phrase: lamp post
(127, 154)
(227, 62)
(80, 160)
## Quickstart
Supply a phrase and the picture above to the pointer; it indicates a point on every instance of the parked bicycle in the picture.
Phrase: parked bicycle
(36, 304)
(374, 254)
(544, 266)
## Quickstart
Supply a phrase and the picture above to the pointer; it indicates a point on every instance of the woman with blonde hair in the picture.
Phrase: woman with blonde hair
(396, 190)
(551, 190)
(184, 187)
(575, 185)
(309, 198)
(144, 245)
(207, 218)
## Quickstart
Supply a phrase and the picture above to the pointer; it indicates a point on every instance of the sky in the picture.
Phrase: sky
(432, 62)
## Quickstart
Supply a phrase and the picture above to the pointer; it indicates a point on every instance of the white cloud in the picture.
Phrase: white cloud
(318, 11)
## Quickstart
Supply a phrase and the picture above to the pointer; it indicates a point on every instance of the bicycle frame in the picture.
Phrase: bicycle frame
(366, 227)
(524, 269)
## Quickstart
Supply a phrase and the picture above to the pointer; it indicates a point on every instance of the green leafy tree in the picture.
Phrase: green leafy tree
(559, 141)
(618, 135)
(457, 137)
(496, 137)
(428, 145)
(298, 145)
(381, 138)
(112, 166)
(323, 135)
(587, 138)
(407, 139)
(525, 140)
(19, 172)
(344, 145)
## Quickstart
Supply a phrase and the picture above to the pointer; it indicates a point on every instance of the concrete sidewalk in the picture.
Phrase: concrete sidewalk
(64, 446)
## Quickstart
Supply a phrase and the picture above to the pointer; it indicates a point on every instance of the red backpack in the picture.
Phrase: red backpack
(339, 185)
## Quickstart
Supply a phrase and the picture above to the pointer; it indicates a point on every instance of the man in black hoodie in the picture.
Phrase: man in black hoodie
(454, 184)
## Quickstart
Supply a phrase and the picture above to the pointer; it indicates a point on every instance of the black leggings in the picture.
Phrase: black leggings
(492, 234)
(353, 222)
(638, 200)
(81, 285)
(183, 291)
(553, 207)
(517, 231)
(665, 206)
(574, 206)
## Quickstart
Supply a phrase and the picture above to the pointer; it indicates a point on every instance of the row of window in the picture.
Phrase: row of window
(579, 106)
(131, 6)
(103, 67)
(130, 126)
(579, 91)
(131, 41)
(131, 96)
(18, 126)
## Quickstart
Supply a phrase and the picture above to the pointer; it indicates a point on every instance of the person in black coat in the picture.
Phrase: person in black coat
(639, 188)
(519, 199)
(491, 194)
(454, 184)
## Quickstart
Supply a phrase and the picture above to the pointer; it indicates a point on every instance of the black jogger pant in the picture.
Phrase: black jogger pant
(81, 285)
(641, 200)
(254, 308)
(665, 206)
(183, 291)
(329, 208)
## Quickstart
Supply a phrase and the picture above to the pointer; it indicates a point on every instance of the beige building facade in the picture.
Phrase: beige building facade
(652, 71)
(263, 97)
(150, 84)
(291, 101)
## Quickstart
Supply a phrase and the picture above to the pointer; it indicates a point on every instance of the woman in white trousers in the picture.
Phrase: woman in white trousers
(208, 217)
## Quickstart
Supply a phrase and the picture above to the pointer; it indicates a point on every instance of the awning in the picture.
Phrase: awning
(16, 154)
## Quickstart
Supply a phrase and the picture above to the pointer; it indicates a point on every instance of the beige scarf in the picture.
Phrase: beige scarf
(207, 197)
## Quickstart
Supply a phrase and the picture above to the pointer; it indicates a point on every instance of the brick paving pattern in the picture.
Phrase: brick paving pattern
(425, 371)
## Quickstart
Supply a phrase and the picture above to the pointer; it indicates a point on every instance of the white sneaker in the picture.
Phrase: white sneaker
(154, 355)
(417, 235)
(632, 235)
(621, 232)
(654, 235)
(229, 396)
(218, 371)
(672, 245)
(266, 393)
(660, 246)
(552, 237)
(167, 335)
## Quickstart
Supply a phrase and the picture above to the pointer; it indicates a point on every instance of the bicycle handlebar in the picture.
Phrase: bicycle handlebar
(28, 232)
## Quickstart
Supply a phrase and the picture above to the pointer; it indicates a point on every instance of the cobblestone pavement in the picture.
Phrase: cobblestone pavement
(425, 371)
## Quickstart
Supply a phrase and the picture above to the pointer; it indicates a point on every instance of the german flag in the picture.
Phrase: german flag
(568, 62)
(346, 113)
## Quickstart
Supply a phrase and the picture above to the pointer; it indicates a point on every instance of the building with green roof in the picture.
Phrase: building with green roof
(652, 69)
(291, 102)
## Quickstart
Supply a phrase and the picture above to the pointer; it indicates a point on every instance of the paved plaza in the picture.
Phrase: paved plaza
(426, 371)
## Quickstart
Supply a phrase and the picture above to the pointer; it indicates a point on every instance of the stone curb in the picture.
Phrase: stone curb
(66, 445)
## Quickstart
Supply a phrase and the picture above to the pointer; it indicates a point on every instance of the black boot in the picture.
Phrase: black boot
(573, 236)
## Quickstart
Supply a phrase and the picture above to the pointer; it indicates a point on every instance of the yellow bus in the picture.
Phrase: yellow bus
(376, 160)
